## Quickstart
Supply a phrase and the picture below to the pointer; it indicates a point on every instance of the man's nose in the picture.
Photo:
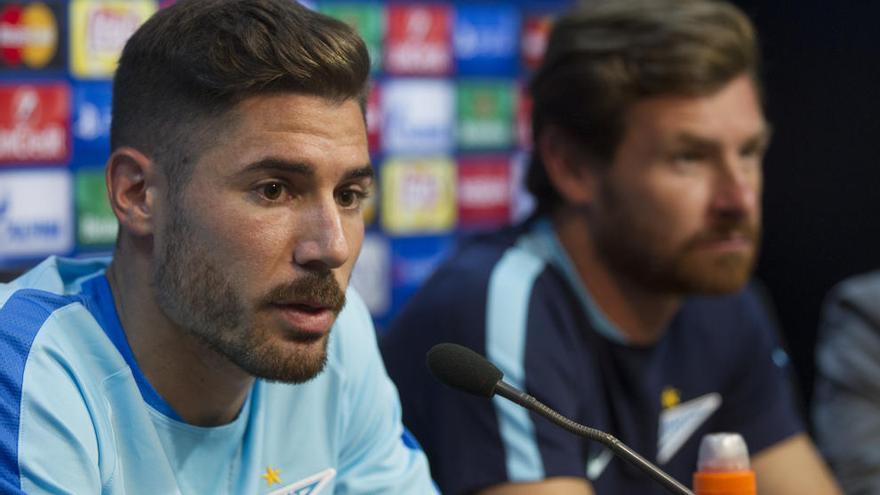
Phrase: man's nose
(322, 237)
(737, 189)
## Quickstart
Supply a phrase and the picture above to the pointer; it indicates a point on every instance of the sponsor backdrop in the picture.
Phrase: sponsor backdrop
(447, 117)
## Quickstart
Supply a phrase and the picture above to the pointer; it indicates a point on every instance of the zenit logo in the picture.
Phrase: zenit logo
(28, 35)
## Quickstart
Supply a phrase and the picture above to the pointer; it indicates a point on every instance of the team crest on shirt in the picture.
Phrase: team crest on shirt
(311, 485)
(679, 420)
(598, 462)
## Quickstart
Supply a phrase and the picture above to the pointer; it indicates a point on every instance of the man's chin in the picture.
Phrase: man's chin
(720, 275)
(289, 361)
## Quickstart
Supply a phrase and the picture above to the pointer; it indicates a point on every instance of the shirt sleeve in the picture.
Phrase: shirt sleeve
(48, 439)
(846, 406)
(379, 455)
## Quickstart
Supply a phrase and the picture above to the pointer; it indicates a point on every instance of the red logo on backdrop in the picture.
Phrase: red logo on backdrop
(536, 32)
(34, 123)
(14, 35)
(374, 118)
(28, 35)
(484, 192)
(418, 40)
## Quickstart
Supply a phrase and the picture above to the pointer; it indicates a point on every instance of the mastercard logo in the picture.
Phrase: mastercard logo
(28, 35)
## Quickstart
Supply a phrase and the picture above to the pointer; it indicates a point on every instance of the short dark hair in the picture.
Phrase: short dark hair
(195, 60)
(609, 54)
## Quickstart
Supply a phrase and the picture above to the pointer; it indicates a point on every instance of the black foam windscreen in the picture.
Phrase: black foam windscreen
(461, 368)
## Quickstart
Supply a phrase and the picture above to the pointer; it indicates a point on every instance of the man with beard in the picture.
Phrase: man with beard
(622, 303)
(218, 352)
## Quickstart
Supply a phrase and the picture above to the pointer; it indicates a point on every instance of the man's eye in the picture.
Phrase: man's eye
(350, 198)
(272, 191)
(753, 152)
(685, 157)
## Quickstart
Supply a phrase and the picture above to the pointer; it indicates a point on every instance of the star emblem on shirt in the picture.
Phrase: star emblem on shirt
(670, 397)
(271, 476)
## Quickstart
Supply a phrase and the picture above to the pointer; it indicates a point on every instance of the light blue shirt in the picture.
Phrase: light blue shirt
(78, 415)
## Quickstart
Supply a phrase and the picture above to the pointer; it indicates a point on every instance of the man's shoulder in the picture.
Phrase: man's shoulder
(849, 330)
(28, 303)
(860, 286)
(56, 275)
(56, 358)
(466, 275)
(477, 255)
(44, 313)
(858, 294)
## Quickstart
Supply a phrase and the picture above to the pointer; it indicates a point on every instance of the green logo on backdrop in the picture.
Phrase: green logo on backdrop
(96, 225)
(366, 19)
(485, 115)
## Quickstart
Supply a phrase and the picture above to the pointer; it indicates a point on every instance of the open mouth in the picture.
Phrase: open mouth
(307, 308)
(308, 321)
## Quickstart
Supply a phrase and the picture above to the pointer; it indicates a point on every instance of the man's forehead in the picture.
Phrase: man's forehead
(735, 108)
(295, 110)
(277, 130)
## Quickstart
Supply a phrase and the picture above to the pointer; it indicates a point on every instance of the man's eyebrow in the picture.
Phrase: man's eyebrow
(763, 137)
(364, 172)
(278, 165)
(688, 138)
(286, 166)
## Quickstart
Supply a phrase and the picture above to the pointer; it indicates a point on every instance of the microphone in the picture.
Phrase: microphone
(459, 367)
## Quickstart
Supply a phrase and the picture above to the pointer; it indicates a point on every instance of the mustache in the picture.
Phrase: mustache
(319, 288)
(726, 229)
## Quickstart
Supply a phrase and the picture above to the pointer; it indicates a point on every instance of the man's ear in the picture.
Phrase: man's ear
(568, 167)
(131, 187)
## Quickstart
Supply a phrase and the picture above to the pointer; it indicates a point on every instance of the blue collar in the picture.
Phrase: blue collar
(542, 241)
(99, 300)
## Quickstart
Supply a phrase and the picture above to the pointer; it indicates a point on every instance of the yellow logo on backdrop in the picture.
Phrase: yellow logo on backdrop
(418, 195)
(99, 30)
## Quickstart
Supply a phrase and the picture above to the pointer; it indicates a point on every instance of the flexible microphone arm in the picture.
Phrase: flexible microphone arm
(619, 448)
(463, 369)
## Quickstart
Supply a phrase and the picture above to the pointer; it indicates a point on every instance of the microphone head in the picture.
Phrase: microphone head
(461, 368)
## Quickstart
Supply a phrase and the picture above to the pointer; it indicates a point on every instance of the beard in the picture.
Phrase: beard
(633, 244)
(194, 291)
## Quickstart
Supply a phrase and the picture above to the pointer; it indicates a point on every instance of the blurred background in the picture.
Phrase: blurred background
(449, 137)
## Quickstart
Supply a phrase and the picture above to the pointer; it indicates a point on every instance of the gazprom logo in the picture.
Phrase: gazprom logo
(4, 204)
(35, 213)
(411, 126)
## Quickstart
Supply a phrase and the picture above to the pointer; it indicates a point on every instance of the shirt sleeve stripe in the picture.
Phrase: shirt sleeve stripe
(510, 288)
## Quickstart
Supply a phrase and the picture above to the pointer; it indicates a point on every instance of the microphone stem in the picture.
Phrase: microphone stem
(619, 448)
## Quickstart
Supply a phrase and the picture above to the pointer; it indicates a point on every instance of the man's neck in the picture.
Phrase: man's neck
(200, 385)
(639, 313)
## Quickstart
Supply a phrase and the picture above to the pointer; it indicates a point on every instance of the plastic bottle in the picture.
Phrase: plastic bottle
(723, 466)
